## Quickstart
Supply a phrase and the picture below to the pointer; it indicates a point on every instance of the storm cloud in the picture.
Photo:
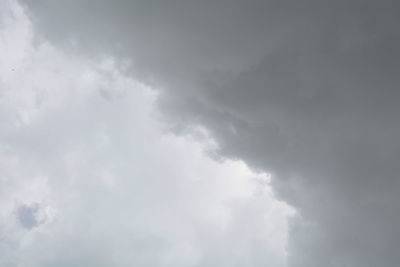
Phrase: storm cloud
(305, 90)
(90, 177)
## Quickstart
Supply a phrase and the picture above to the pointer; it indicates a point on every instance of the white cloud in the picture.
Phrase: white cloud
(306, 90)
(89, 178)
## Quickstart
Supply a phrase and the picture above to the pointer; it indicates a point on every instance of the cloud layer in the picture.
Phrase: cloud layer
(306, 90)
(88, 176)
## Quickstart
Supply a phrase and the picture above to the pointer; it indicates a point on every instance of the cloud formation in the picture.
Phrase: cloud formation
(88, 176)
(304, 89)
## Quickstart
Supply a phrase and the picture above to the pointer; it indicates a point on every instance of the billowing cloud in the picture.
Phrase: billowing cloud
(306, 90)
(88, 176)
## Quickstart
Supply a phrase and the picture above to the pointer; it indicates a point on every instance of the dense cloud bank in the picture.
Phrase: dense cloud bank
(306, 90)
(89, 178)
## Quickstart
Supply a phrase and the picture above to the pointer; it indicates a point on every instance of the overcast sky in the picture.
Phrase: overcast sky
(199, 133)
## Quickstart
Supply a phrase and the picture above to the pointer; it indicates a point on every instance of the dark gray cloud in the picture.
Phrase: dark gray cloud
(80, 138)
(304, 89)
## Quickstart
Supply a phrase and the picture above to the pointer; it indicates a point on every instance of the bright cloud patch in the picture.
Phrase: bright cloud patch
(88, 178)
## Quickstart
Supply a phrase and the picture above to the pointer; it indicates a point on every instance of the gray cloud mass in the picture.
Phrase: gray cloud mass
(306, 90)
(88, 176)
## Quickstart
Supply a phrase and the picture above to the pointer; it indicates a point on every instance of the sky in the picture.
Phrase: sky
(199, 133)
(91, 176)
